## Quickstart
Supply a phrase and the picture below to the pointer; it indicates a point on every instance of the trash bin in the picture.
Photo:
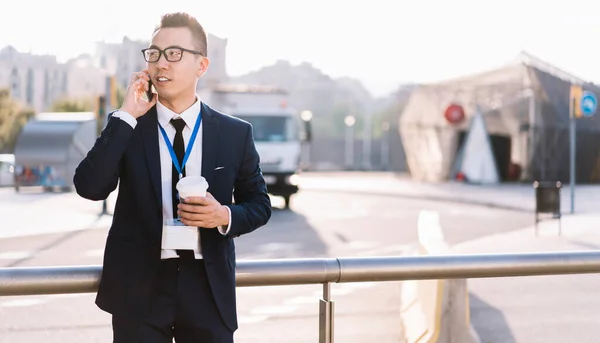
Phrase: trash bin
(547, 200)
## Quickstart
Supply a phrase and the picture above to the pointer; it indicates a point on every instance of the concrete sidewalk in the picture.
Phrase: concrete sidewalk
(507, 195)
(561, 308)
(549, 309)
(33, 212)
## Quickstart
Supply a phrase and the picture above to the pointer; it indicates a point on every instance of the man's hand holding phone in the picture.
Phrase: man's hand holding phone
(134, 102)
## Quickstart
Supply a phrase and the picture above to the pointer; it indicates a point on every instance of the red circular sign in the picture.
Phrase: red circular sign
(454, 114)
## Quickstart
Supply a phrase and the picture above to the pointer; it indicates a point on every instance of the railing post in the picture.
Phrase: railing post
(326, 315)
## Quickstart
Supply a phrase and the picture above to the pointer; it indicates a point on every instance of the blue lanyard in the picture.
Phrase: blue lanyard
(189, 147)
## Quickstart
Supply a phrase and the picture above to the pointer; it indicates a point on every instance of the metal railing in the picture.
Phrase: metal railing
(84, 279)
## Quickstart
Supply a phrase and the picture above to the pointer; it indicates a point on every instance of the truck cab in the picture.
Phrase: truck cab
(278, 130)
(277, 136)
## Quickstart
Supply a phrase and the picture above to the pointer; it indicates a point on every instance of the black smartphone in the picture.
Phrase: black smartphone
(149, 91)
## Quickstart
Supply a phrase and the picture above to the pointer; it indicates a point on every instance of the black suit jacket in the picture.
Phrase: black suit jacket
(130, 158)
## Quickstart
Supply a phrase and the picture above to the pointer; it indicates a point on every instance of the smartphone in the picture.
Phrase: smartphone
(149, 91)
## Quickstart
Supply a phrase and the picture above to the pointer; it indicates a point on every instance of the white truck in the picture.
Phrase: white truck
(278, 132)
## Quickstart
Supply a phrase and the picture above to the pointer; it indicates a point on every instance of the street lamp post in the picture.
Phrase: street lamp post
(349, 121)
(385, 145)
(306, 117)
(367, 141)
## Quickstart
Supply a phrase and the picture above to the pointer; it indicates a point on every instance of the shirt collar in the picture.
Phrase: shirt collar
(189, 116)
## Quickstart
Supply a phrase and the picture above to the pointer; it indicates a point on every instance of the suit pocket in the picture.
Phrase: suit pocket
(224, 180)
(225, 169)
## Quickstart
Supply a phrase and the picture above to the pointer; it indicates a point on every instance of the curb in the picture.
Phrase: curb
(437, 310)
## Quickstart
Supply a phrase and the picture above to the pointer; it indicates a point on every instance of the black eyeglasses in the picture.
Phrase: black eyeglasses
(172, 54)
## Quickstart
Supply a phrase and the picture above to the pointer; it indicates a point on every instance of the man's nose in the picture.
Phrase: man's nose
(162, 62)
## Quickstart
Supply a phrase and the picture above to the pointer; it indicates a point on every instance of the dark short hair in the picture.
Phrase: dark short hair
(180, 19)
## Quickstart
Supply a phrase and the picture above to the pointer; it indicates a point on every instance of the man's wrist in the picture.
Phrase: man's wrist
(128, 118)
(128, 111)
(224, 214)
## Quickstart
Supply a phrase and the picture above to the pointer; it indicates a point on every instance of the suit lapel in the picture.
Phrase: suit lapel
(210, 134)
(149, 132)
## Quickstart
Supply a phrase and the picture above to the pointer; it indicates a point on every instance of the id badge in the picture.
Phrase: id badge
(177, 236)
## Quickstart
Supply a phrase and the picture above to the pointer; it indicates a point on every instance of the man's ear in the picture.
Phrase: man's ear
(203, 66)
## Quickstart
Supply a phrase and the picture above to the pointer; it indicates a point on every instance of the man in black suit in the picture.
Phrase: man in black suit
(155, 293)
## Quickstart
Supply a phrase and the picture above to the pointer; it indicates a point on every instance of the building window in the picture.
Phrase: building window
(15, 84)
(46, 88)
(30, 85)
(64, 83)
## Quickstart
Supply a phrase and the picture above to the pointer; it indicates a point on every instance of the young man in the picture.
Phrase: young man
(157, 293)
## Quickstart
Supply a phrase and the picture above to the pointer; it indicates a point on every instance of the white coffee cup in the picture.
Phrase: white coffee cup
(192, 186)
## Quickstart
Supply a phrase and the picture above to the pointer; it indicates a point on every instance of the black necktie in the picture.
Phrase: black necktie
(179, 147)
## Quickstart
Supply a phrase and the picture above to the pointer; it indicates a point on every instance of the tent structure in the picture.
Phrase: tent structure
(525, 109)
(50, 147)
(475, 159)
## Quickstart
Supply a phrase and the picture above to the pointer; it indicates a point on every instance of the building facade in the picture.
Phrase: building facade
(125, 58)
(40, 80)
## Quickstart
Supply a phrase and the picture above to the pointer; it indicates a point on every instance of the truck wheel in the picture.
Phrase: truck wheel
(286, 198)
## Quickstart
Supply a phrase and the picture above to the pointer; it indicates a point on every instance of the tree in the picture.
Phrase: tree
(73, 105)
(332, 124)
(389, 115)
(13, 116)
(120, 95)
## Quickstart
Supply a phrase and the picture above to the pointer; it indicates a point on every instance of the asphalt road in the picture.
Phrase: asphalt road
(319, 224)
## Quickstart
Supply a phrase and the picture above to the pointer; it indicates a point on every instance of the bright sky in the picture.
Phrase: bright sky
(381, 42)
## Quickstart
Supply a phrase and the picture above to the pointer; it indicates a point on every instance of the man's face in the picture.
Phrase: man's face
(175, 79)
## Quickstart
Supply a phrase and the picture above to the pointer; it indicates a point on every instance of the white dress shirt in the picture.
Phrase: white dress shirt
(193, 165)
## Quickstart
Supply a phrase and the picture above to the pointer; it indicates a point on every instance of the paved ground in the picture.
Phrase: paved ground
(517, 196)
(320, 223)
(547, 309)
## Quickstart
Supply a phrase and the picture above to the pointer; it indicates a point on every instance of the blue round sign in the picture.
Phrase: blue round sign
(589, 103)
